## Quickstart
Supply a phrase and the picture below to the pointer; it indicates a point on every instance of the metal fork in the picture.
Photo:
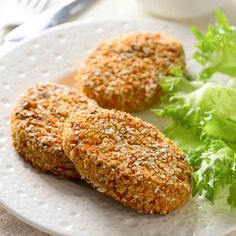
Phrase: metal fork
(17, 12)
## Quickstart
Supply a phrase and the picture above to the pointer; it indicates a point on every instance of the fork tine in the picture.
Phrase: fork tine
(36, 5)
(24, 2)
(40, 5)
(33, 3)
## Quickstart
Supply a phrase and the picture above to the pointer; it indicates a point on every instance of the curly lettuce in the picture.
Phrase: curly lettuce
(202, 111)
(216, 50)
(204, 125)
(215, 165)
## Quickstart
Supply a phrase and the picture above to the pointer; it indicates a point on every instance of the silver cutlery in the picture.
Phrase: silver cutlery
(53, 16)
(17, 12)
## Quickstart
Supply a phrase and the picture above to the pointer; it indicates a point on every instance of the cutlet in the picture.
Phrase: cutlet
(124, 72)
(37, 123)
(128, 159)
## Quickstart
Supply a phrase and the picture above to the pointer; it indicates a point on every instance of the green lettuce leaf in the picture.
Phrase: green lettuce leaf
(216, 168)
(232, 194)
(184, 138)
(204, 127)
(216, 50)
(203, 114)
(209, 109)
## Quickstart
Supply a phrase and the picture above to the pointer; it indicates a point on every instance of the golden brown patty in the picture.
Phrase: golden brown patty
(128, 159)
(37, 124)
(123, 73)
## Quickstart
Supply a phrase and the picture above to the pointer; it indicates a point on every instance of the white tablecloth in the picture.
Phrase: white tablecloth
(104, 9)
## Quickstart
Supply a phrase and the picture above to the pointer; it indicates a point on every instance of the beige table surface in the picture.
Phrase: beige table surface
(103, 9)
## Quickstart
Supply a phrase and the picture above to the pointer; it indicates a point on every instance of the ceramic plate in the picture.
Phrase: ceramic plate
(62, 207)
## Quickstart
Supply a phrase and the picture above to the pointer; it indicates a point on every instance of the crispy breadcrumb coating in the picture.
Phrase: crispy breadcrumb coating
(127, 159)
(124, 73)
(37, 123)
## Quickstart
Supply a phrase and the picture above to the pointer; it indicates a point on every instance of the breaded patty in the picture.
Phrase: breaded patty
(124, 73)
(37, 124)
(128, 159)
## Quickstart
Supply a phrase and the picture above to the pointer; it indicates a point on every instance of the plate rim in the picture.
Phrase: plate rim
(47, 33)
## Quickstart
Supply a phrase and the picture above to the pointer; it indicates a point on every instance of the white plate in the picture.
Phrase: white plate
(62, 207)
